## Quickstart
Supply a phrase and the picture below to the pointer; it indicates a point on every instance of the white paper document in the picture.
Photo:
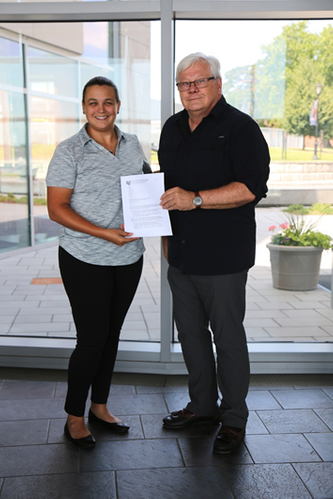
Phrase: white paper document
(143, 215)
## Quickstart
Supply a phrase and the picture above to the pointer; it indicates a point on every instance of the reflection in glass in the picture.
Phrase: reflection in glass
(11, 67)
(14, 211)
(121, 51)
(51, 73)
(56, 68)
(51, 121)
(88, 71)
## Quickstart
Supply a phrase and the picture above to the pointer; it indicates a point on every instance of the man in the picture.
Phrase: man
(216, 165)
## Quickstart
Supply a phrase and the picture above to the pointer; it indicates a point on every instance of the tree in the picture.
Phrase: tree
(285, 80)
(270, 82)
(238, 88)
(308, 62)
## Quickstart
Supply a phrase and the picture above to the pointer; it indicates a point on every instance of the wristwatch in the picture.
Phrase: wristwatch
(197, 201)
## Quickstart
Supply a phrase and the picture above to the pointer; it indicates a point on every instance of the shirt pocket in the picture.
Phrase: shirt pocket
(168, 151)
(211, 158)
(214, 144)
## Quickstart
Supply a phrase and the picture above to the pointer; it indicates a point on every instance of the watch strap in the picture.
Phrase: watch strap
(197, 195)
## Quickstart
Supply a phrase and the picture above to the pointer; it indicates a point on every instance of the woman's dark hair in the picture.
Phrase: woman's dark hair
(100, 80)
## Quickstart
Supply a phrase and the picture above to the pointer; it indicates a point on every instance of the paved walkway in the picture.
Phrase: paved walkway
(31, 306)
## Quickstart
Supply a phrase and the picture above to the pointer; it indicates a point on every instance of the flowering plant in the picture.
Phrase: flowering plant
(297, 232)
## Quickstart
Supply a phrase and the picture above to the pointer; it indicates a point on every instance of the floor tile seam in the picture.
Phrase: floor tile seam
(248, 451)
(161, 468)
(327, 394)
(319, 311)
(262, 422)
(144, 319)
(301, 388)
(276, 434)
(48, 430)
(289, 434)
(14, 320)
(142, 427)
(261, 295)
(317, 387)
(289, 387)
(30, 420)
(270, 391)
(299, 476)
(151, 468)
(271, 463)
(313, 410)
(317, 452)
(38, 475)
(291, 408)
(152, 267)
(319, 416)
(74, 473)
(150, 290)
(44, 445)
(226, 478)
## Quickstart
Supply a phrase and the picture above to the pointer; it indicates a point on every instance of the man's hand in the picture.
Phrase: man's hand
(177, 199)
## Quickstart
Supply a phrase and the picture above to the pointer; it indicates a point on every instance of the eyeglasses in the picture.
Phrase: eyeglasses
(186, 85)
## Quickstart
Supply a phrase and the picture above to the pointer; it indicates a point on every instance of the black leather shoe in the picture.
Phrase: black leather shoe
(228, 439)
(185, 418)
(84, 443)
(115, 427)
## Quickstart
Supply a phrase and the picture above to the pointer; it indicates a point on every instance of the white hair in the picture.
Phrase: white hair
(190, 59)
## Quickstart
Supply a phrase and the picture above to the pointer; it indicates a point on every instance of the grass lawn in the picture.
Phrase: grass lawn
(292, 155)
(300, 154)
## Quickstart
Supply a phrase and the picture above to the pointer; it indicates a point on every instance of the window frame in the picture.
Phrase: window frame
(166, 357)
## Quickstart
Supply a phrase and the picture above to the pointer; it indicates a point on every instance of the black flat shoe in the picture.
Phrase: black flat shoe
(84, 443)
(115, 427)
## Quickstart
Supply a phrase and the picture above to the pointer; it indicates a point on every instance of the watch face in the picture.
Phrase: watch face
(197, 201)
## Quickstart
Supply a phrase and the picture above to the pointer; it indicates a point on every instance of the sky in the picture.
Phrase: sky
(234, 43)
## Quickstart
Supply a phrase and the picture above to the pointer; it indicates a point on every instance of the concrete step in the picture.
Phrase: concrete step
(316, 167)
(307, 193)
(301, 177)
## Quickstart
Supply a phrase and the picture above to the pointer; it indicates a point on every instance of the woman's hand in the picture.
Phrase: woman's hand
(119, 236)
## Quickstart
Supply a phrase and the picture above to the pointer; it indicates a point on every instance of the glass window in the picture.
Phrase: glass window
(11, 63)
(14, 212)
(274, 78)
(52, 73)
(56, 74)
(51, 121)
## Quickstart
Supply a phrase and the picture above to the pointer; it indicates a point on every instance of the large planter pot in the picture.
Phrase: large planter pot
(295, 268)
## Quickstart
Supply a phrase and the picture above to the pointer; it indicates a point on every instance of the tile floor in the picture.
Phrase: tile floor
(287, 452)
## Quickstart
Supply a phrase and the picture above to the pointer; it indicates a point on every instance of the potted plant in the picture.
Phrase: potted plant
(295, 254)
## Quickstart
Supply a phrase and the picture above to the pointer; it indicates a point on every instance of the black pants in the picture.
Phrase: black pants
(100, 297)
(213, 303)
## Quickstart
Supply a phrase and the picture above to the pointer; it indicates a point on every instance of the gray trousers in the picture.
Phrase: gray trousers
(218, 303)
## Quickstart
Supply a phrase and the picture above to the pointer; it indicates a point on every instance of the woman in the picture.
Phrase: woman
(100, 263)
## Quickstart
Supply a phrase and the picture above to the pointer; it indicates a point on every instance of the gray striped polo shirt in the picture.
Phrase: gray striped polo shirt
(81, 164)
